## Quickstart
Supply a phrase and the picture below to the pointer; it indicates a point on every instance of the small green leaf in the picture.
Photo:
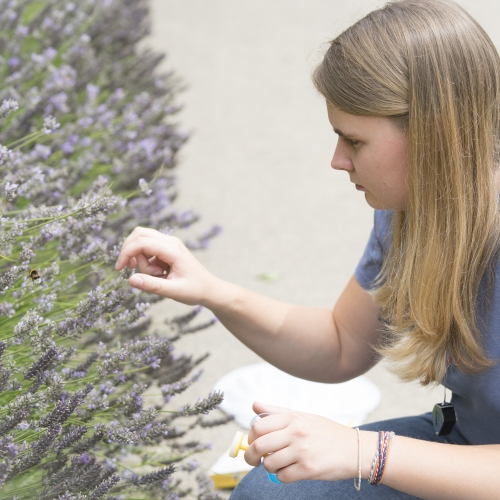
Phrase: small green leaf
(30, 44)
(269, 277)
(31, 11)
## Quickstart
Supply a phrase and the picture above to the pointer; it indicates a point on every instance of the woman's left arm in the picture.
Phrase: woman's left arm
(305, 446)
(437, 471)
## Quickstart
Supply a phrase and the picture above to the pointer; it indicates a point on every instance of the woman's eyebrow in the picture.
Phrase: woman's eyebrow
(342, 134)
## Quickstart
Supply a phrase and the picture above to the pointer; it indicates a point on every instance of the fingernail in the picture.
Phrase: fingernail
(136, 281)
(157, 273)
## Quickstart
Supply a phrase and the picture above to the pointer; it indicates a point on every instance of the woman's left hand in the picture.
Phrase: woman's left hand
(302, 445)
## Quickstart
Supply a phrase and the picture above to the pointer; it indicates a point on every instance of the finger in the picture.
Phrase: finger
(148, 247)
(132, 263)
(145, 267)
(155, 261)
(138, 232)
(270, 443)
(259, 407)
(151, 284)
(121, 262)
(269, 424)
(291, 473)
(279, 460)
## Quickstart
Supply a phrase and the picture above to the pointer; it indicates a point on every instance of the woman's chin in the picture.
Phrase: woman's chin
(376, 204)
(373, 202)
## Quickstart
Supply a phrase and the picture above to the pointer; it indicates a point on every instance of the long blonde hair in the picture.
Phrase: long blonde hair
(430, 67)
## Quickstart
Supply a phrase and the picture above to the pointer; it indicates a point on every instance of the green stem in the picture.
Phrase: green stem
(97, 377)
(6, 258)
(26, 137)
(30, 141)
(65, 216)
(20, 438)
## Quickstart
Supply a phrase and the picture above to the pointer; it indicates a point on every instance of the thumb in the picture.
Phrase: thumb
(148, 283)
(259, 408)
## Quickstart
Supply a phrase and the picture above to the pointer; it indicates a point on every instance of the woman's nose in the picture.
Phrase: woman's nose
(341, 160)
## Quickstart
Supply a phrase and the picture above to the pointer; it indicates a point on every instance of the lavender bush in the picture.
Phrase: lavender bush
(87, 149)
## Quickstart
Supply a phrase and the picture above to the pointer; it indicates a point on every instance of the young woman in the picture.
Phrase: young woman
(413, 91)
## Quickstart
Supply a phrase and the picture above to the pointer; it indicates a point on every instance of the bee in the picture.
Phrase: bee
(35, 276)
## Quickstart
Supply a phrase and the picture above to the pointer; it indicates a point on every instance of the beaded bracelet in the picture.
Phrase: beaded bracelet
(381, 456)
(358, 486)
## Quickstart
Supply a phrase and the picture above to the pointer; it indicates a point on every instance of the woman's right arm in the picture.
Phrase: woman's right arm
(313, 343)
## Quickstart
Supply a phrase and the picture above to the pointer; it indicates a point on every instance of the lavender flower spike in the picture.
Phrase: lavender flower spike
(71, 193)
(42, 364)
(65, 408)
(159, 475)
(50, 125)
(104, 487)
(7, 107)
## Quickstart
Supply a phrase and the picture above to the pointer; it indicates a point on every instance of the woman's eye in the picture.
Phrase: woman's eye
(351, 142)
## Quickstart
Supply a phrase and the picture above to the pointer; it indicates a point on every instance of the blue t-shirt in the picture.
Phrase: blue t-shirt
(476, 398)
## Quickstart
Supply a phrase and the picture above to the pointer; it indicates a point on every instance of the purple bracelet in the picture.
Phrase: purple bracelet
(382, 459)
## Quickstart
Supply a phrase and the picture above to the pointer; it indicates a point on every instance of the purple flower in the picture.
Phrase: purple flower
(85, 122)
(143, 185)
(43, 152)
(57, 102)
(62, 78)
(12, 449)
(67, 148)
(49, 53)
(22, 31)
(11, 15)
(92, 92)
(149, 145)
(7, 107)
(50, 125)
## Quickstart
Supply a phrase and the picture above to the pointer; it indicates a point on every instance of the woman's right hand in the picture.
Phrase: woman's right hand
(166, 267)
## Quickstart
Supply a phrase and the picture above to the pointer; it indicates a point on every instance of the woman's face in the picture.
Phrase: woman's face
(372, 150)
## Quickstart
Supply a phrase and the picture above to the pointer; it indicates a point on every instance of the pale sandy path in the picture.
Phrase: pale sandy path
(258, 164)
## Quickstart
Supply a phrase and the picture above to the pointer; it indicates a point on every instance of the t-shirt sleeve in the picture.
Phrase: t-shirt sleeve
(371, 262)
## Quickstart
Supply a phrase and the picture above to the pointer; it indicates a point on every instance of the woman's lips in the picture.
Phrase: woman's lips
(359, 188)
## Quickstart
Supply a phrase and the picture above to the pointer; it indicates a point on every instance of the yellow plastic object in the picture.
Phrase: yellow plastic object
(231, 480)
(238, 444)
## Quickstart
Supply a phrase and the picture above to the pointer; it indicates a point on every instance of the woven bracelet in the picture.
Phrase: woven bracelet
(376, 458)
(382, 459)
(382, 456)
